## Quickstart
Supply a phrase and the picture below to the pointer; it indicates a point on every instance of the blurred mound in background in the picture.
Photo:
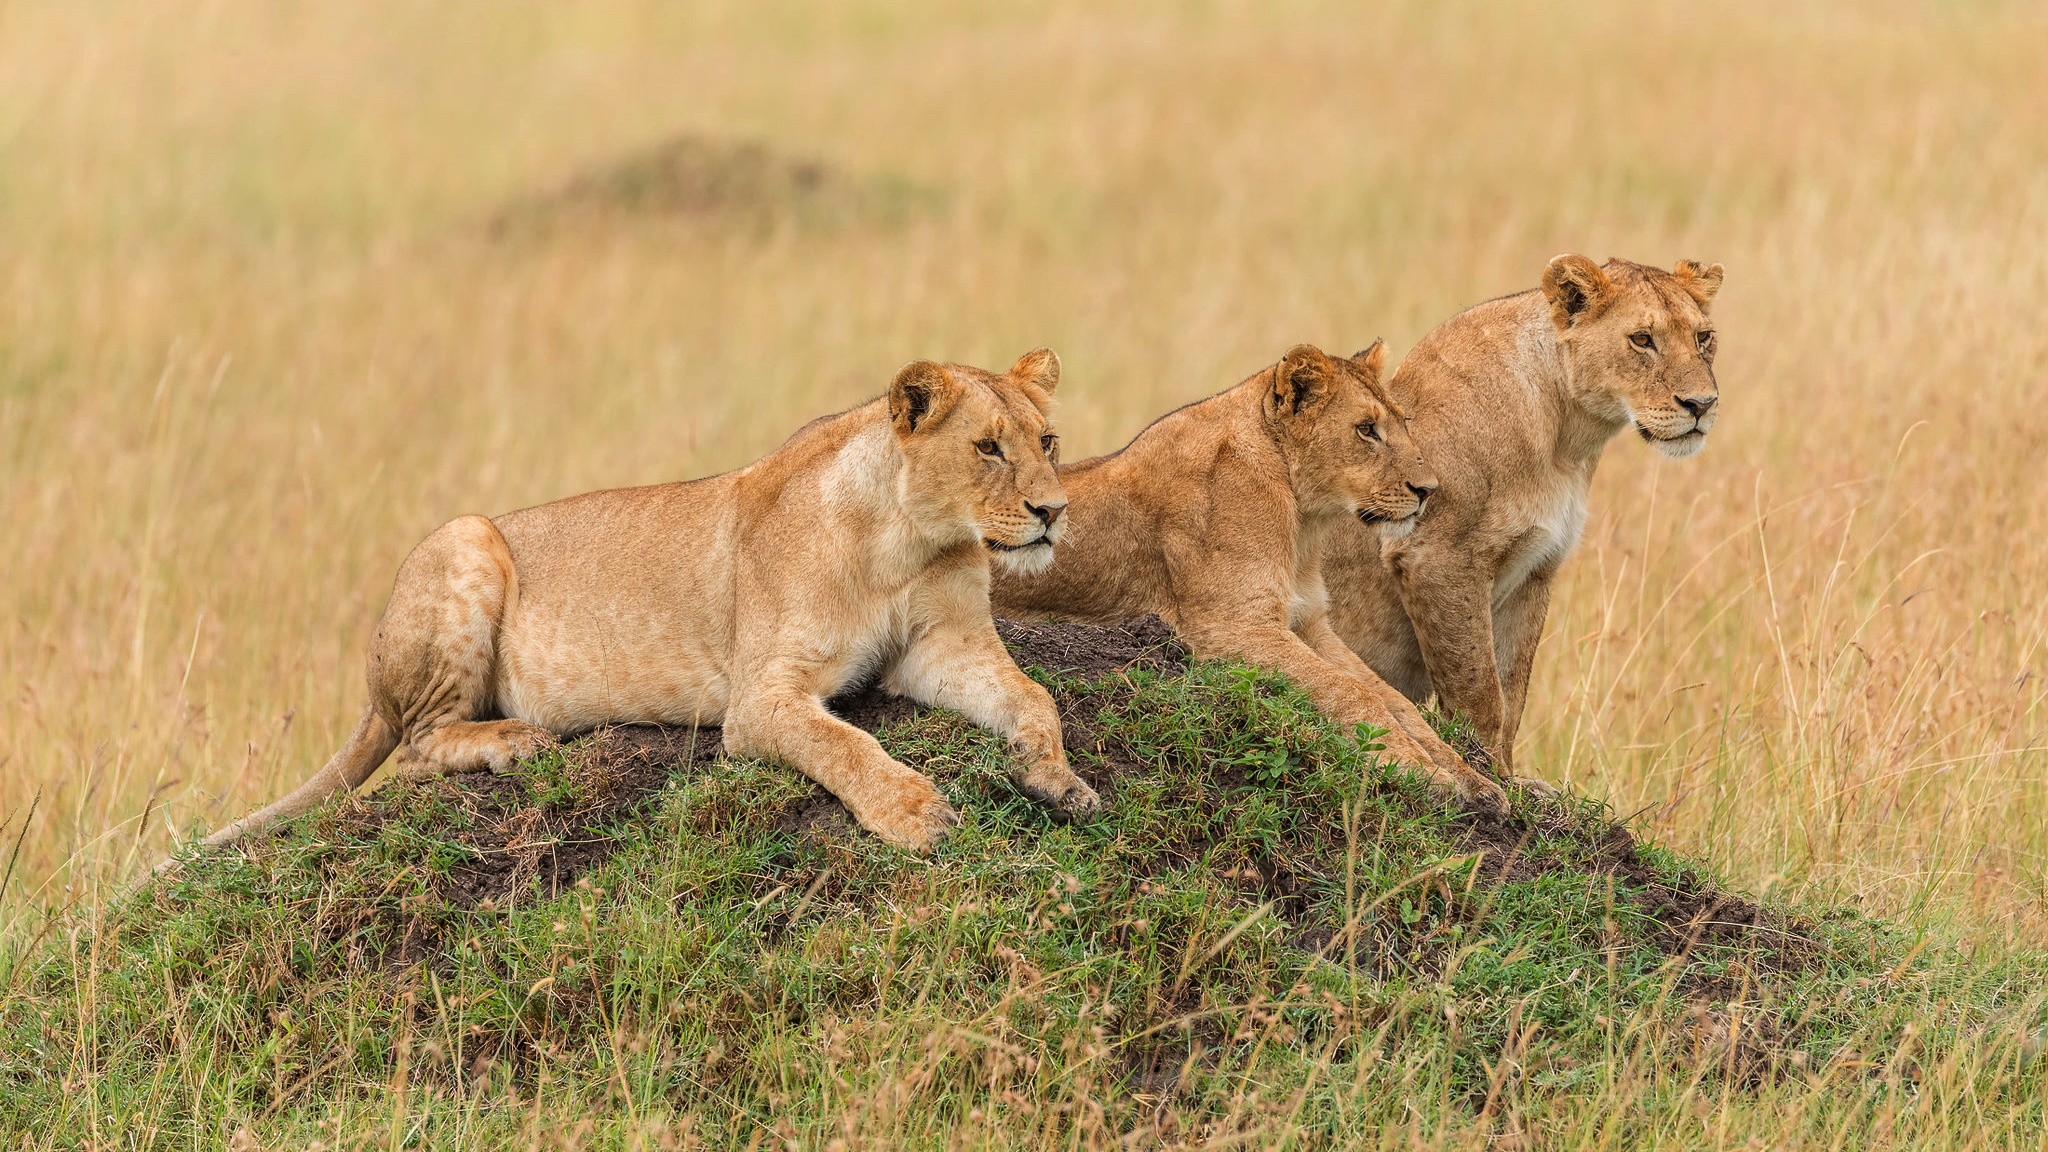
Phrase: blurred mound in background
(743, 183)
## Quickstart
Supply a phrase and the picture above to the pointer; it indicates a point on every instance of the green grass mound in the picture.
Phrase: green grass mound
(1267, 939)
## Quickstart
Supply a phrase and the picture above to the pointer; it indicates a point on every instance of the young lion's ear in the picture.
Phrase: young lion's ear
(921, 393)
(1700, 282)
(1302, 383)
(1372, 361)
(1576, 288)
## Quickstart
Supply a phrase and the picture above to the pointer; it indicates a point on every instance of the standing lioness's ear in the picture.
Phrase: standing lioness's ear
(1576, 288)
(921, 393)
(1699, 282)
(1038, 368)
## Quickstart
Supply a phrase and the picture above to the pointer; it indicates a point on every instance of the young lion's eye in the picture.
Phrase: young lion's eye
(1368, 431)
(989, 448)
(1047, 443)
(1643, 340)
(1706, 340)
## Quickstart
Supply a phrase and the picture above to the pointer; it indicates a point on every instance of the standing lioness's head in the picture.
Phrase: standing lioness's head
(980, 452)
(1638, 344)
(1347, 445)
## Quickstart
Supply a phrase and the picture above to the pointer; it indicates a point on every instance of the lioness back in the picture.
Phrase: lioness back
(623, 604)
(621, 607)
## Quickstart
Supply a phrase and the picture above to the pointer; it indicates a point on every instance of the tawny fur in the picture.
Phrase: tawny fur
(1216, 518)
(1513, 401)
(862, 545)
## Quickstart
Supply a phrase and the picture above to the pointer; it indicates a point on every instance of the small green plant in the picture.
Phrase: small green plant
(1369, 737)
(1267, 766)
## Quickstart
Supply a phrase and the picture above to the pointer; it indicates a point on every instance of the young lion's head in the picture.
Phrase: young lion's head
(980, 454)
(1638, 344)
(1346, 443)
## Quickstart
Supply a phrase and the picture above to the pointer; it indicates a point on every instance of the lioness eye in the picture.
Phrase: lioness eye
(1643, 340)
(1046, 442)
(989, 448)
(1368, 431)
(1705, 338)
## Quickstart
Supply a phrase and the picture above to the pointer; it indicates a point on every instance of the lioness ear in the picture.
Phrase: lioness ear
(1039, 368)
(1576, 288)
(1372, 361)
(921, 393)
(1700, 283)
(1039, 372)
(1301, 383)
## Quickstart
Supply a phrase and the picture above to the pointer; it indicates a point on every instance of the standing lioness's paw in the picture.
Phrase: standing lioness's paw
(1478, 794)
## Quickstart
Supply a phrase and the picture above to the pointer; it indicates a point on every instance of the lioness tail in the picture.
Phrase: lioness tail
(359, 756)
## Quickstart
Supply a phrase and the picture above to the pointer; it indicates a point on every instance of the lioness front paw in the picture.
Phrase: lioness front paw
(917, 819)
(1056, 786)
(1451, 780)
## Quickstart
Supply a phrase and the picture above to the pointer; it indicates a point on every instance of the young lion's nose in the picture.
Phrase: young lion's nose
(1697, 405)
(1046, 512)
(1421, 491)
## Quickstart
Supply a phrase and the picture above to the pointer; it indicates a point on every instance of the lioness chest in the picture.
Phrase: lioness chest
(1540, 531)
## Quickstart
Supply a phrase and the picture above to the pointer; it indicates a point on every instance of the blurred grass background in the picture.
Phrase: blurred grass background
(285, 285)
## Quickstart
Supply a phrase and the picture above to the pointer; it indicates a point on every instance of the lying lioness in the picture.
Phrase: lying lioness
(1514, 400)
(1216, 517)
(862, 544)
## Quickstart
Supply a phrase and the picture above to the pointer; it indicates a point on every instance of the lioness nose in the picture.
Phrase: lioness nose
(1046, 512)
(1697, 405)
(1421, 491)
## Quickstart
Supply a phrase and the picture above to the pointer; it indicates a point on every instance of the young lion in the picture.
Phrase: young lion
(743, 599)
(1216, 518)
(1513, 401)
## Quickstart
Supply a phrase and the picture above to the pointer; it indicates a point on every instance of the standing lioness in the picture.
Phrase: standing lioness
(1513, 401)
(744, 599)
(1216, 518)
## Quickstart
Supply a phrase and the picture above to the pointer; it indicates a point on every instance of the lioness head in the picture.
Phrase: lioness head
(1639, 345)
(980, 453)
(1347, 444)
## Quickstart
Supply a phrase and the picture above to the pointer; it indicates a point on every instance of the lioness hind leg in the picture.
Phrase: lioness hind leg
(433, 662)
(471, 746)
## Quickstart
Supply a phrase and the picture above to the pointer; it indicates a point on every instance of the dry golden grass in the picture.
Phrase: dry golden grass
(258, 334)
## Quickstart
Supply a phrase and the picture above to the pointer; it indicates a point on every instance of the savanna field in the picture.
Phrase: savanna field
(283, 287)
